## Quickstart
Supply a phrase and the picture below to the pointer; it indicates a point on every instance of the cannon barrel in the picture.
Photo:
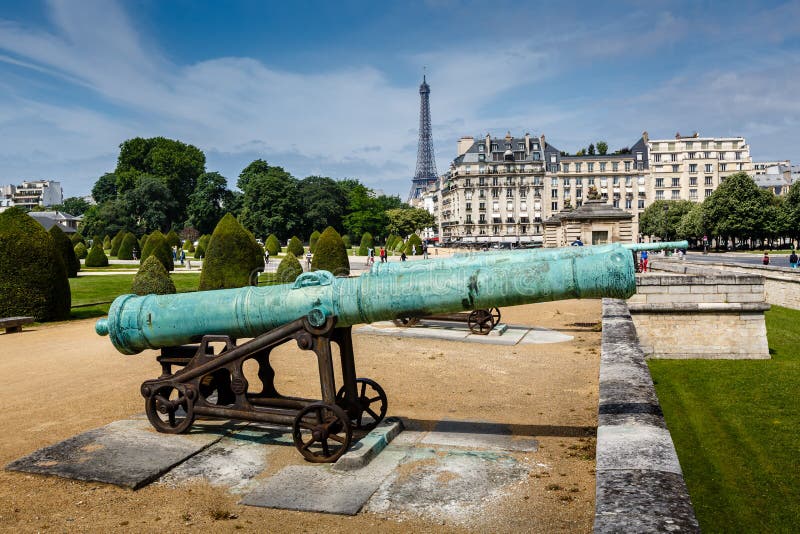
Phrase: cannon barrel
(387, 291)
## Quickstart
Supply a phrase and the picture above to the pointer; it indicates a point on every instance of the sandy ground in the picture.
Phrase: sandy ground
(62, 379)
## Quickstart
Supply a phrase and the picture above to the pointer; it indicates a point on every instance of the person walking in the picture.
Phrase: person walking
(403, 256)
(183, 256)
(425, 251)
(266, 257)
(793, 260)
(644, 261)
(308, 259)
(383, 255)
(765, 259)
(414, 250)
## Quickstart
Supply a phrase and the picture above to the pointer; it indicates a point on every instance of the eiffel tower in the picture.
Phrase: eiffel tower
(426, 174)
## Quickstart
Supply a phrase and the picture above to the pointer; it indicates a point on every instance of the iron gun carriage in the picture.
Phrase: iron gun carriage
(318, 310)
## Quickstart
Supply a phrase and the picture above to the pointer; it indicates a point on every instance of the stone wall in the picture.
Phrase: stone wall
(781, 284)
(640, 486)
(711, 315)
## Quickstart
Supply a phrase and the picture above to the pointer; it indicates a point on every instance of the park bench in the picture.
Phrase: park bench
(14, 324)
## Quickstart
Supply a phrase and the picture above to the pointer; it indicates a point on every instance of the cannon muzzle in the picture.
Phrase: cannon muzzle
(387, 291)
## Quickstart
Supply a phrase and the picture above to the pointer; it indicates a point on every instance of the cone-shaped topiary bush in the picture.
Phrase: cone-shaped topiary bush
(173, 240)
(312, 241)
(152, 278)
(157, 246)
(77, 238)
(330, 254)
(96, 256)
(80, 251)
(106, 243)
(366, 244)
(190, 248)
(414, 241)
(347, 244)
(288, 269)
(202, 244)
(64, 246)
(116, 242)
(272, 245)
(295, 246)
(399, 244)
(33, 278)
(125, 251)
(233, 258)
(390, 241)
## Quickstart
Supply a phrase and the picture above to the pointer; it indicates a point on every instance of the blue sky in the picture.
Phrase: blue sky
(330, 88)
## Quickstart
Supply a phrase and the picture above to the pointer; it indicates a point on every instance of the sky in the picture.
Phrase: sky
(331, 88)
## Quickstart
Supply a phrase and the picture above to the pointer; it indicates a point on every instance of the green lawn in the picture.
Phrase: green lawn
(736, 427)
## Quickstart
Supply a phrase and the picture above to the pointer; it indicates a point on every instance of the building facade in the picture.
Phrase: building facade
(34, 193)
(501, 190)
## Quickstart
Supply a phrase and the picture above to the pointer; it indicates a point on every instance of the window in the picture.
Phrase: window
(602, 167)
(467, 182)
(482, 193)
(628, 203)
(554, 206)
(659, 195)
(509, 192)
(495, 230)
(676, 182)
(495, 192)
(693, 167)
(616, 180)
(481, 157)
(670, 147)
(627, 166)
(495, 206)
(615, 203)
(673, 157)
(656, 157)
(468, 195)
(628, 181)
(641, 204)
(659, 182)
(722, 167)
(676, 168)
(676, 195)
(615, 167)
(523, 206)
(693, 180)
(554, 182)
(509, 229)
(590, 167)
(553, 167)
(709, 180)
(708, 167)
(566, 182)
(469, 206)
(578, 167)
(536, 156)
(482, 218)
(535, 146)
(494, 146)
(520, 146)
(469, 219)
(495, 180)
(578, 193)
(704, 145)
(481, 181)
(738, 155)
(565, 167)
(692, 194)
(638, 156)
(591, 180)
(554, 193)
(481, 147)
(708, 192)
(689, 145)
(523, 193)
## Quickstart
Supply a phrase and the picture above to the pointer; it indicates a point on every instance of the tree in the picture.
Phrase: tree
(323, 203)
(691, 224)
(655, 220)
(255, 167)
(96, 257)
(791, 211)
(208, 202)
(74, 206)
(150, 204)
(116, 242)
(77, 237)
(346, 240)
(233, 258)
(366, 243)
(152, 278)
(602, 148)
(271, 204)
(312, 241)
(590, 150)
(125, 251)
(80, 251)
(365, 212)
(105, 189)
(330, 254)
(295, 246)
(157, 246)
(33, 278)
(272, 245)
(737, 209)
(288, 269)
(107, 219)
(581, 152)
(62, 243)
(410, 220)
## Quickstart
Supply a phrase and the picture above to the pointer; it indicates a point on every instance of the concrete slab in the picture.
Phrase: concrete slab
(456, 486)
(319, 488)
(512, 334)
(537, 336)
(636, 447)
(126, 453)
(234, 461)
(367, 448)
(477, 435)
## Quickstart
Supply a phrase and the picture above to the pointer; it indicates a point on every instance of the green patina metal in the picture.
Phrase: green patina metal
(387, 291)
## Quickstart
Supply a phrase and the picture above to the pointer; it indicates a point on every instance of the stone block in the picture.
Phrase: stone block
(679, 289)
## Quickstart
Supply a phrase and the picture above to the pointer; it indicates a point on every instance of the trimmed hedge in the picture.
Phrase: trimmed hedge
(312, 241)
(202, 245)
(116, 242)
(366, 243)
(190, 248)
(346, 240)
(330, 254)
(106, 243)
(295, 246)
(96, 256)
(125, 251)
(64, 246)
(412, 241)
(390, 241)
(173, 240)
(33, 278)
(288, 269)
(152, 278)
(76, 238)
(80, 251)
(272, 245)
(233, 258)
(157, 246)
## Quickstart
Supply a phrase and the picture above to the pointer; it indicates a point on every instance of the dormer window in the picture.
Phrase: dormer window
(480, 148)
(535, 146)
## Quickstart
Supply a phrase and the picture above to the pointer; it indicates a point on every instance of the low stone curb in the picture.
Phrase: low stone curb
(640, 486)
(363, 452)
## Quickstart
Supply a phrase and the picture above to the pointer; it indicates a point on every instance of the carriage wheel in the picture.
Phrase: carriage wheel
(322, 432)
(371, 402)
(405, 321)
(170, 409)
(480, 322)
(495, 316)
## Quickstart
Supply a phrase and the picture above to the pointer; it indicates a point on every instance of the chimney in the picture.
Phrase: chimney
(464, 144)
(645, 136)
(541, 141)
(527, 142)
(488, 144)
(508, 136)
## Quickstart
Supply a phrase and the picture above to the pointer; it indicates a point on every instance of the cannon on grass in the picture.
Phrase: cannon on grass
(479, 322)
(318, 310)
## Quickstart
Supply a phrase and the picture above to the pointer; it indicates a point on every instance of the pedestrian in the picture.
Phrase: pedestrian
(425, 251)
(371, 256)
(308, 259)
(135, 253)
(765, 259)
(383, 255)
(174, 253)
(793, 260)
(414, 250)
(183, 256)
(266, 257)
(644, 261)
(403, 256)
